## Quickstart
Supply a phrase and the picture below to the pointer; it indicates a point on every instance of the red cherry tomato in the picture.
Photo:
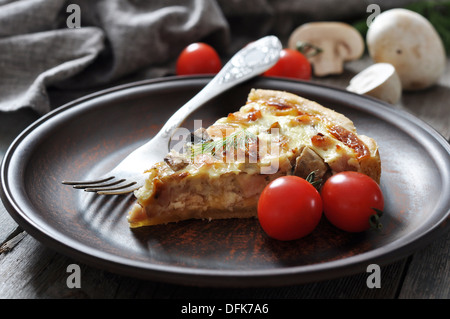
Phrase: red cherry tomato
(198, 58)
(292, 64)
(349, 199)
(289, 208)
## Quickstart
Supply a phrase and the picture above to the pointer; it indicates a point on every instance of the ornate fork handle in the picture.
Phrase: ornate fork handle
(250, 61)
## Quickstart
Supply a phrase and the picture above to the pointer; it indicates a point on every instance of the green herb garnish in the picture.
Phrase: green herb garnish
(240, 139)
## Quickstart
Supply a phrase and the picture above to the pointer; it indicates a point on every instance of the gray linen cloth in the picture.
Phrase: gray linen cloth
(116, 38)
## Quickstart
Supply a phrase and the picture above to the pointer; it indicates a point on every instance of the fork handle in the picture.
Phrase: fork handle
(250, 61)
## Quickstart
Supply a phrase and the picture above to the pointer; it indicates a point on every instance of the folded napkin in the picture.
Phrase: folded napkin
(40, 49)
(116, 38)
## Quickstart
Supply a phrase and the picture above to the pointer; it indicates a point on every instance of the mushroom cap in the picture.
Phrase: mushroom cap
(410, 43)
(339, 41)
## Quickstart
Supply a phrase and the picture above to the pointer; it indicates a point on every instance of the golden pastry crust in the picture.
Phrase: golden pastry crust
(270, 136)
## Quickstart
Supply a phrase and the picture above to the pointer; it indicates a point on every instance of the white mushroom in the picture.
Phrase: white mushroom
(339, 42)
(410, 43)
(379, 80)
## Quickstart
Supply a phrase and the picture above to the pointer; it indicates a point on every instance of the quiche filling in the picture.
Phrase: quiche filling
(222, 172)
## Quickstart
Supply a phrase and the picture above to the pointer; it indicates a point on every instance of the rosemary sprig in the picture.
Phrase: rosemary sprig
(374, 220)
(311, 178)
(238, 139)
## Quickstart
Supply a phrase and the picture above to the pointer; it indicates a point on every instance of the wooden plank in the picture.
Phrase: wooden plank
(428, 274)
(31, 270)
(353, 287)
(12, 240)
(8, 225)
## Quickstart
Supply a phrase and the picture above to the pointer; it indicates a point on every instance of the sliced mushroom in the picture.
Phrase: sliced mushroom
(339, 42)
(307, 162)
(175, 160)
(379, 80)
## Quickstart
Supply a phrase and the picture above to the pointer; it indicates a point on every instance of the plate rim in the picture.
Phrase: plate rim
(201, 276)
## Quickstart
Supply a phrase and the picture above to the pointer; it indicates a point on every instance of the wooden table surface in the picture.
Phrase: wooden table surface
(28, 269)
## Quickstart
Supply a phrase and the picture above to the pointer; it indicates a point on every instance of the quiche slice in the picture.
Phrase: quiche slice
(223, 170)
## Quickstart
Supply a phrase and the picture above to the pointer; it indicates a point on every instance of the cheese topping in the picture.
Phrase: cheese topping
(273, 131)
(259, 135)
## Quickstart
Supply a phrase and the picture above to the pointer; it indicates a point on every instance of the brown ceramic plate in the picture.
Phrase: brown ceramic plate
(90, 135)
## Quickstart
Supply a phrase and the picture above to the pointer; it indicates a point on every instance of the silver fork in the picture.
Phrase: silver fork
(129, 175)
